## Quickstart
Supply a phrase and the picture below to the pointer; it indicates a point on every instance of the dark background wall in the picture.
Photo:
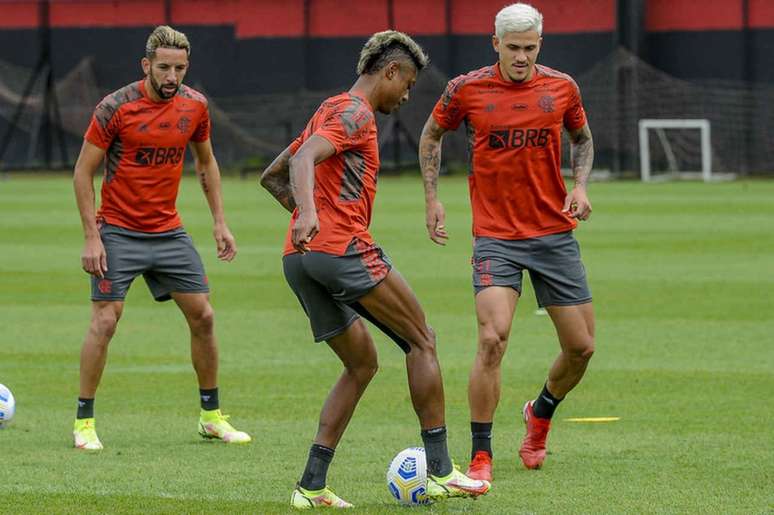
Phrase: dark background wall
(260, 46)
(243, 48)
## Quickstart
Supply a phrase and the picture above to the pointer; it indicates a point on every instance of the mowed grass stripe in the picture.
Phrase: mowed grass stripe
(681, 275)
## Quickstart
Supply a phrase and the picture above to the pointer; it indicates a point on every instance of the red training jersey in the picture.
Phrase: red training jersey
(514, 140)
(145, 145)
(345, 183)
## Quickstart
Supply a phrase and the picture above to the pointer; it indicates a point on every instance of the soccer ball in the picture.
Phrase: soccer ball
(407, 476)
(7, 406)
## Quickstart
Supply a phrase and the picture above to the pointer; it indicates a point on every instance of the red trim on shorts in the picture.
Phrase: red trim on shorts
(372, 261)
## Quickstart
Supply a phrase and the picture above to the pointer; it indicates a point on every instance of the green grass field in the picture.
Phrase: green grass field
(682, 276)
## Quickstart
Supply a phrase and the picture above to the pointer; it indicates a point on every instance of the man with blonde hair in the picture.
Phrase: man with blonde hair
(140, 133)
(523, 217)
(327, 179)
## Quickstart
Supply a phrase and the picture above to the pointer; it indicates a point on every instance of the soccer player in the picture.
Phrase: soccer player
(523, 218)
(327, 178)
(140, 133)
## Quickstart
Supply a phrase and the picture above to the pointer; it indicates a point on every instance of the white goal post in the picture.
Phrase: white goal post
(659, 125)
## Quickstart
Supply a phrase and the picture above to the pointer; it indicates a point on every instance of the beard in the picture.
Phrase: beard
(160, 91)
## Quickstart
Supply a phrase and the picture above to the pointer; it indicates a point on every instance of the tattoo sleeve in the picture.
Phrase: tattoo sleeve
(430, 156)
(581, 155)
(276, 180)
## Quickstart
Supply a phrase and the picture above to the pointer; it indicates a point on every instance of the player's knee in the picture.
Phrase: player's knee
(365, 372)
(104, 323)
(583, 349)
(363, 369)
(492, 345)
(203, 319)
(425, 342)
(588, 351)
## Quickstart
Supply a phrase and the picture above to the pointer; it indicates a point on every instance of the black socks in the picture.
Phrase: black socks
(545, 405)
(316, 471)
(209, 399)
(482, 437)
(85, 408)
(438, 461)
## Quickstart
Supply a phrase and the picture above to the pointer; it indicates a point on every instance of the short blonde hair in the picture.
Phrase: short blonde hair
(165, 36)
(390, 45)
(519, 17)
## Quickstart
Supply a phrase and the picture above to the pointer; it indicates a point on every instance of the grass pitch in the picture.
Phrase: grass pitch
(682, 276)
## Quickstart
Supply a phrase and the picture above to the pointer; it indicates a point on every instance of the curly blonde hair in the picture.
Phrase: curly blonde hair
(165, 36)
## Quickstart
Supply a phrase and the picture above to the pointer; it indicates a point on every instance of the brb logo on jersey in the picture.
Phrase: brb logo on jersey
(154, 156)
(518, 138)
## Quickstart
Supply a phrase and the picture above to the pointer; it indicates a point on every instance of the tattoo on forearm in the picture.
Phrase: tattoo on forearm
(280, 190)
(430, 163)
(430, 158)
(582, 157)
(276, 180)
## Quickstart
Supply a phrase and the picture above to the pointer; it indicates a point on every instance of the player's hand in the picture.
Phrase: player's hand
(305, 228)
(94, 258)
(435, 220)
(225, 242)
(577, 205)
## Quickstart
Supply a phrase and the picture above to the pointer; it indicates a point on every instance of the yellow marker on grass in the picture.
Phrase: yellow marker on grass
(593, 419)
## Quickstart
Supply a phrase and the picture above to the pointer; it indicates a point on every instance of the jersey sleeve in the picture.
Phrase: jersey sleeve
(105, 124)
(296, 143)
(346, 127)
(449, 111)
(574, 115)
(202, 131)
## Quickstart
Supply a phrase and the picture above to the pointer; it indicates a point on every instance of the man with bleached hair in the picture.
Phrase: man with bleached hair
(523, 218)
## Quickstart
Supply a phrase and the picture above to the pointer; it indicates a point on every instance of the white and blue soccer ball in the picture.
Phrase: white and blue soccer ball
(7, 406)
(407, 476)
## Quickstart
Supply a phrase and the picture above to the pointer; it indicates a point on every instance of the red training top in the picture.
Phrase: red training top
(145, 144)
(514, 139)
(345, 183)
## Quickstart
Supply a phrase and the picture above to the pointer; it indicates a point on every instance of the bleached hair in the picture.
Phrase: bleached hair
(165, 36)
(390, 45)
(518, 17)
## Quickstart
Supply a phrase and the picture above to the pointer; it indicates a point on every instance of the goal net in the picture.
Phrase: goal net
(674, 146)
(618, 91)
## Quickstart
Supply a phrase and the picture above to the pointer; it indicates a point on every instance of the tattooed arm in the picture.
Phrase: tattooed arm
(276, 180)
(577, 204)
(208, 173)
(430, 164)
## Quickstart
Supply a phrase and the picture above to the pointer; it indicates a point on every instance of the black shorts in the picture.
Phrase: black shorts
(328, 286)
(167, 261)
(553, 261)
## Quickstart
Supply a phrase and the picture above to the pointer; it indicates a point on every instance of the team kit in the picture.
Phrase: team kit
(515, 114)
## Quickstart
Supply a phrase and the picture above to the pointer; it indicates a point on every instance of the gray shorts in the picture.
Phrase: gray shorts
(326, 285)
(167, 261)
(553, 261)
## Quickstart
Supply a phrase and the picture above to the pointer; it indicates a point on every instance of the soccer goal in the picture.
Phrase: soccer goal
(678, 144)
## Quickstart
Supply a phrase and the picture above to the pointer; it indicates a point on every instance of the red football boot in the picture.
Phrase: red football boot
(480, 467)
(533, 448)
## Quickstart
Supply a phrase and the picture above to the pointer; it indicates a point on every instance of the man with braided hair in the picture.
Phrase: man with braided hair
(327, 179)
